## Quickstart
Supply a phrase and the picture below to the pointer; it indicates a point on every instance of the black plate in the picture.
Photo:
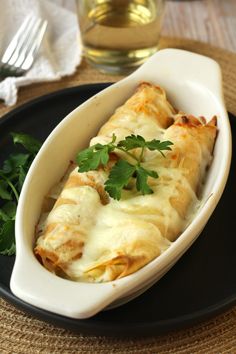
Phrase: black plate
(200, 285)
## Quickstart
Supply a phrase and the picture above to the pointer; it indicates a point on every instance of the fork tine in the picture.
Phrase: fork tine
(29, 42)
(13, 44)
(30, 57)
(22, 40)
(21, 52)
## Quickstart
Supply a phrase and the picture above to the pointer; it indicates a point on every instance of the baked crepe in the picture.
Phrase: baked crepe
(88, 236)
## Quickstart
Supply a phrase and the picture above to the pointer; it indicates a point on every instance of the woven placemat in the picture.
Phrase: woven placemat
(21, 333)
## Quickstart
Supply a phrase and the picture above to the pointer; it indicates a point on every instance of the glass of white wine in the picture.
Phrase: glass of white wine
(119, 35)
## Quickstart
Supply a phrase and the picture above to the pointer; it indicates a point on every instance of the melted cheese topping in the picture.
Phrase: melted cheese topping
(88, 236)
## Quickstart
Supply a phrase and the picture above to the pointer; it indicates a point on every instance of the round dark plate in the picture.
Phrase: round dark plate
(200, 285)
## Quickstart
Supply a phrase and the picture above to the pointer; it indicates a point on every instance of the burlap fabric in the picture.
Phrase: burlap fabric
(21, 333)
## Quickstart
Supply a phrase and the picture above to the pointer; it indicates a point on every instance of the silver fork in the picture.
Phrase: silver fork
(21, 52)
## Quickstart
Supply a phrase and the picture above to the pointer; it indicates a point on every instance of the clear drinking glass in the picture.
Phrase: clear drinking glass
(119, 35)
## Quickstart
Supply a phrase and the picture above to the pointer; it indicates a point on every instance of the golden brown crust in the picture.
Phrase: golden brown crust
(191, 138)
(148, 100)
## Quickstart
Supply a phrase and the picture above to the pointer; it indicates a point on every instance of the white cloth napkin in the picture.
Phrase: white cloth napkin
(61, 50)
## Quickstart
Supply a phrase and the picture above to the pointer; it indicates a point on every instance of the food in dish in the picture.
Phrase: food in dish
(88, 236)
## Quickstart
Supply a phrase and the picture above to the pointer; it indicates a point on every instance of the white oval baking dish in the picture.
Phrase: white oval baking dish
(193, 84)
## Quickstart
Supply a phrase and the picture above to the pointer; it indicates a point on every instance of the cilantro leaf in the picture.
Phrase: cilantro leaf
(90, 159)
(136, 141)
(30, 144)
(12, 175)
(4, 193)
(22, 172)
(14, 161)
(141, 179)
(132, 142)
(122, 171)
(7, 238)
(159, 145)
(9, 208)
(3, 216)
(119, 177)
(10, 251)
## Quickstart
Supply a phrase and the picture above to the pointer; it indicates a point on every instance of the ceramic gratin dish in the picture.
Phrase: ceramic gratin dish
(193, 84)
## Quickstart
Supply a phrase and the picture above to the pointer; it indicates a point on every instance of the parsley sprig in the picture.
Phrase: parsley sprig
(121, 173)
(12, 175)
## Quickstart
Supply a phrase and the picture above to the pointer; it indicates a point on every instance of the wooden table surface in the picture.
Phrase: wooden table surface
(211, 21)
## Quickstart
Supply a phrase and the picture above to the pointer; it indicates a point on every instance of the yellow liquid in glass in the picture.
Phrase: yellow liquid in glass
(120, 35)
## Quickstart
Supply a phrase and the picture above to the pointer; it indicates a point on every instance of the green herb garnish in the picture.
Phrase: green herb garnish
(121, 173)
(12, 175)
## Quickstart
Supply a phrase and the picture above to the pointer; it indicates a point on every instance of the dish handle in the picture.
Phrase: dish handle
(195, 68)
